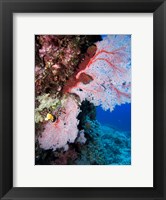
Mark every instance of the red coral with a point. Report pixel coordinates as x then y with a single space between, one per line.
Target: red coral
84 78
104 77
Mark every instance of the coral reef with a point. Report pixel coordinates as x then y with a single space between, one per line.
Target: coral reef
73 75
57 58
105 146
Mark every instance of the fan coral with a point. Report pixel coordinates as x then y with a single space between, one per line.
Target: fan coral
70 79
57 134
105 80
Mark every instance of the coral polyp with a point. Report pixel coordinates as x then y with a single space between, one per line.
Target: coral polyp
74 76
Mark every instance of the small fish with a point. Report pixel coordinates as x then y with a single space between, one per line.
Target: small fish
50 117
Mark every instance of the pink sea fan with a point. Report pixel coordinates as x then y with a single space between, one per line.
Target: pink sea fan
64 129
110 72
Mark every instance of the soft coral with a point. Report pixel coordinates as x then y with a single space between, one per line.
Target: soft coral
107 74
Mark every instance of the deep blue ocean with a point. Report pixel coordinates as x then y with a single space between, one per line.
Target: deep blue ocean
119 118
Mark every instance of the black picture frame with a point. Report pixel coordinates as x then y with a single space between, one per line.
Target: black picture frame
7 8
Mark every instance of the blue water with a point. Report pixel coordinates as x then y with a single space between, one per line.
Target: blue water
117 146
103 36
119 118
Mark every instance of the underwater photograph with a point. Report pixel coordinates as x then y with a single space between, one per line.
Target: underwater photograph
82 99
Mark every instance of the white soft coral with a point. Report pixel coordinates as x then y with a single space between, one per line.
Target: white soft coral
64 129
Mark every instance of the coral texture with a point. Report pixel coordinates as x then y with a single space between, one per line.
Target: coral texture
105 80
63 130
81 139
73 75
57 58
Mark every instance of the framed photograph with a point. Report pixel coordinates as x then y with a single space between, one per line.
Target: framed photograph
82 99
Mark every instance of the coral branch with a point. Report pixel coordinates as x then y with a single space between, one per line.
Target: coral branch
114 67
110 65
